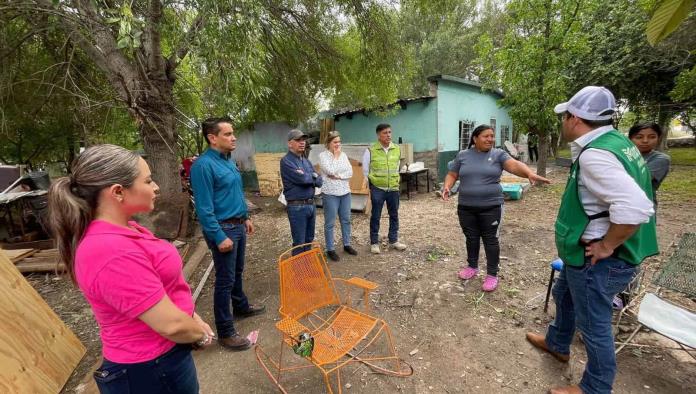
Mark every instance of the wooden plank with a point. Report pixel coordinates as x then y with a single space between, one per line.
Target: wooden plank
39 352
196 257
43 244
40 266
18 254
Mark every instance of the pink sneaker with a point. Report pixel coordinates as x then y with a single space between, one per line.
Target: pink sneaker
490 283
468 273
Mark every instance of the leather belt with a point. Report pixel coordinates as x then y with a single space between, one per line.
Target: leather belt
301 202
234 221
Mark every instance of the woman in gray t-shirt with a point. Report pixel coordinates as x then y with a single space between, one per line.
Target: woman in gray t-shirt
478 169
646 137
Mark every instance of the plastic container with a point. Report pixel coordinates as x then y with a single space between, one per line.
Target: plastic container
512 191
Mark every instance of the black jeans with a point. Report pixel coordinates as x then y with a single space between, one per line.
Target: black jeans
533 153
477 223
171 373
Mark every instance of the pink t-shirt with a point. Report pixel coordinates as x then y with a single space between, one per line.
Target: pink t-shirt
122 274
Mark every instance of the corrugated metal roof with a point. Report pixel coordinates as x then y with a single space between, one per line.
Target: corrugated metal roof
397 102
452 78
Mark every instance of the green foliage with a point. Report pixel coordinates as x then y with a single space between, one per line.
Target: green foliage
440 37
50 104
529 65
667 18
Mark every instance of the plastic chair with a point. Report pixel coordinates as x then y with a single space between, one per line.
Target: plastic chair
310 304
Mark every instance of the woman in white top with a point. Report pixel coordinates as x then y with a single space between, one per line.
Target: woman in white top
336 171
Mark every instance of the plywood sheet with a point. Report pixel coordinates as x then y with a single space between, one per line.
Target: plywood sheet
39 352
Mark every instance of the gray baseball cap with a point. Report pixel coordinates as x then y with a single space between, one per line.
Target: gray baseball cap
295 134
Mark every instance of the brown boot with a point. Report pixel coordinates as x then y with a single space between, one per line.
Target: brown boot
539 341
235 342
575 389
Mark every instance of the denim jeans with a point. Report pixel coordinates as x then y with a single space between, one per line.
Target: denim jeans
378 197
336 205
302 218
583 297
229 267
481 223
172 373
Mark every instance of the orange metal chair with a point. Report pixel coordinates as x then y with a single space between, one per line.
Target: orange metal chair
310 303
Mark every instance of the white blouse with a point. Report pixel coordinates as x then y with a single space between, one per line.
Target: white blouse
340 168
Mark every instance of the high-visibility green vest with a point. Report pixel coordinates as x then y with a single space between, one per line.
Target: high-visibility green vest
572 218
384 167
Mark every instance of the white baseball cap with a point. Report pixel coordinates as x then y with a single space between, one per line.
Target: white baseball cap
590 103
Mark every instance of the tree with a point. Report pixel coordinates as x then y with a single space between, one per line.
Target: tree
643 77
529 64
248 51
43 95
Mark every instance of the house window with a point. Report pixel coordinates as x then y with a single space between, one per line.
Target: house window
465 129
505 134
492 124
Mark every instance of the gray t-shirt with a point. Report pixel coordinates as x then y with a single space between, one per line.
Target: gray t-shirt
479 176
658 164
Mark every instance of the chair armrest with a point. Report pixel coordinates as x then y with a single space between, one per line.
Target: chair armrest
360 282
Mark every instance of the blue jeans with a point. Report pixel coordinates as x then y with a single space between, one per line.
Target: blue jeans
229 267
336 205
172 373
583 298
302 218
378 197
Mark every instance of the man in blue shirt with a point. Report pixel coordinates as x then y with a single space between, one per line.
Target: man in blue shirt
299 181
222 213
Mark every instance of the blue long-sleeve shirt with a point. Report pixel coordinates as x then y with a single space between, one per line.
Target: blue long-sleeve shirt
217 189
298 180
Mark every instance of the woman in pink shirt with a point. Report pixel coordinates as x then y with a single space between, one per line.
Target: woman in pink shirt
132 280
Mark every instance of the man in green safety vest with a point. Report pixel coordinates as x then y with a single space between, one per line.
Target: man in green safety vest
604 229
381 167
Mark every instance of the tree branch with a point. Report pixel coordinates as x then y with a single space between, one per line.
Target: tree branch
185 45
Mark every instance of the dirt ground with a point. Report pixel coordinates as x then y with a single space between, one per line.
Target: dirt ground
466 341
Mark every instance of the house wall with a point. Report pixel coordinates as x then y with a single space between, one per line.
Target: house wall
417 124
457 102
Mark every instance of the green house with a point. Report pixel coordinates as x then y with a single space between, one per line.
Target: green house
438 125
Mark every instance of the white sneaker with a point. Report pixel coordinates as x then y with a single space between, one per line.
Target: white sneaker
374 248
398 245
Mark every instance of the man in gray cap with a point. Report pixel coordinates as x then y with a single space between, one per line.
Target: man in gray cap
299 181
604 229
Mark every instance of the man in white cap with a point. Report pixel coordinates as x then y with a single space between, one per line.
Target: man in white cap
604 229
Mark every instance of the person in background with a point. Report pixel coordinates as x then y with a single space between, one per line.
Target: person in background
480 208
336 172
646 137
532 142
380 164
132 280
224 218
299 181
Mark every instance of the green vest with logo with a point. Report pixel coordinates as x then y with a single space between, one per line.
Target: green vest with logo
572 219
384 166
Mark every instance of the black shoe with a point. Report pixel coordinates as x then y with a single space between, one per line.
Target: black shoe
349 249
333 255
252 311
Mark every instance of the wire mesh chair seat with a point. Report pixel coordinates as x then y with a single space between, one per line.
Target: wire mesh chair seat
310 305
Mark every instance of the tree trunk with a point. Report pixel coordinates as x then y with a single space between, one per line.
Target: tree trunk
543 152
